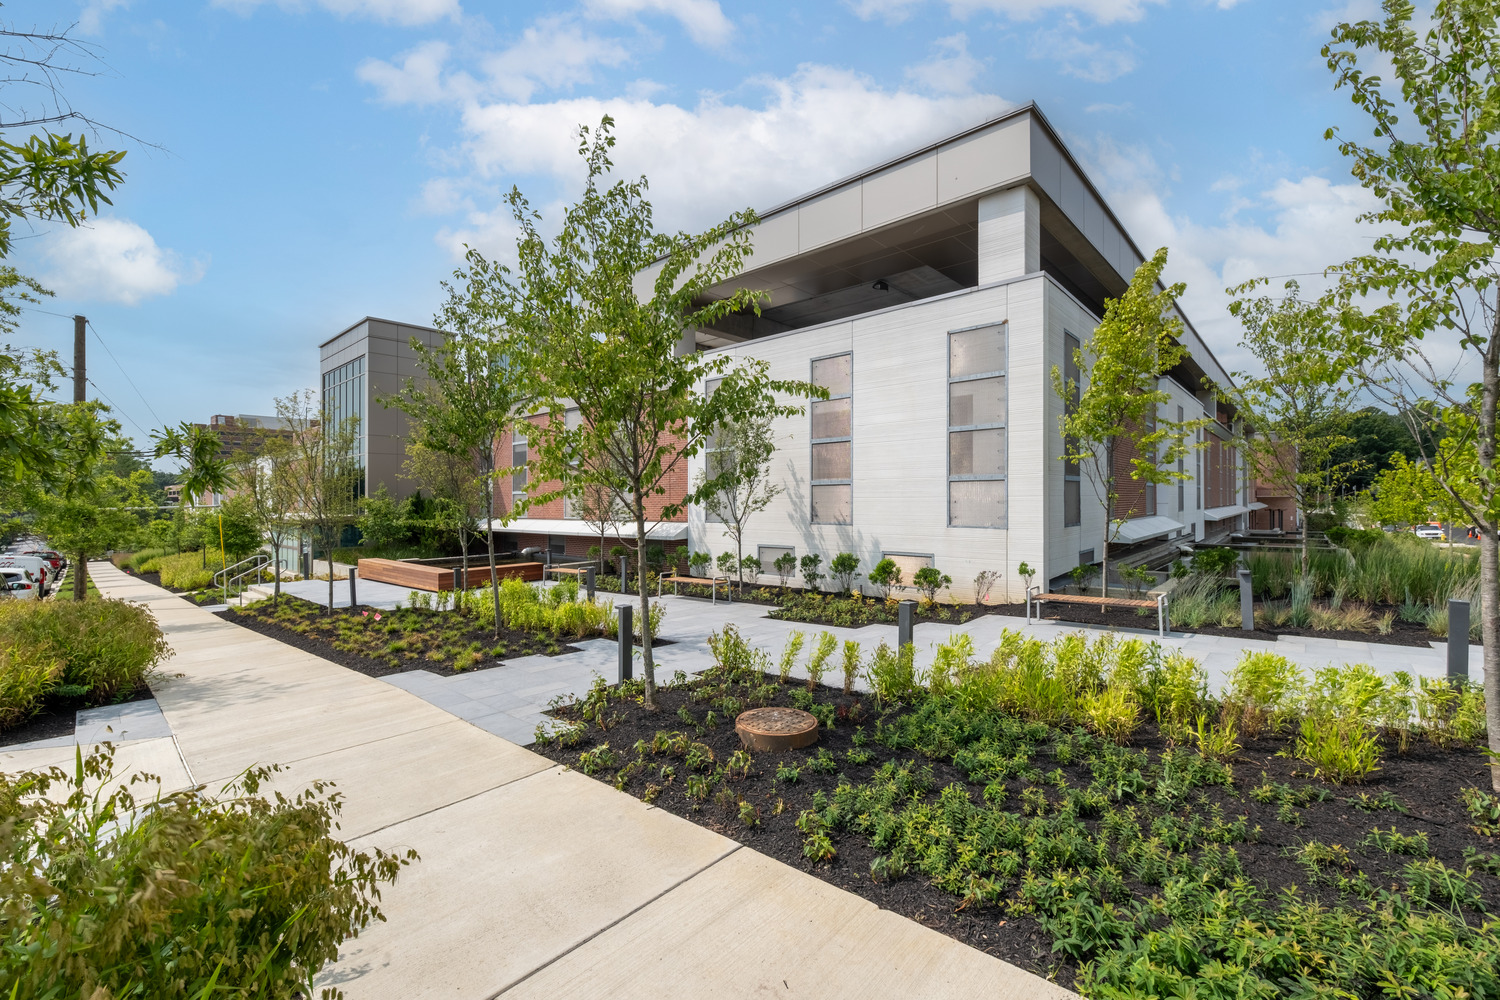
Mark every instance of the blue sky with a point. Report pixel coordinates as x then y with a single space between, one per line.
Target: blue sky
324 160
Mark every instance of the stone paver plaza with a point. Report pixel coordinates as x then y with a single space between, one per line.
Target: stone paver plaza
536 880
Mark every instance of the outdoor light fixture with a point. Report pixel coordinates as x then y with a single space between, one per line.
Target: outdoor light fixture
881 285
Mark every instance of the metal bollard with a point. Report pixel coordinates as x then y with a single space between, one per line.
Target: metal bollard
458 580
621 561
1458 640
353 596
627 644
1247 602
903 623
588 582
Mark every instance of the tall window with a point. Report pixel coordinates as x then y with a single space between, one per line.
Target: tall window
344 398
833 441
711 451
1198 472
1072 482
518 459
976 427
1181 486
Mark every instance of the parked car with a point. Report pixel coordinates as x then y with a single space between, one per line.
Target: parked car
1428 531
16 582
54 559
38 570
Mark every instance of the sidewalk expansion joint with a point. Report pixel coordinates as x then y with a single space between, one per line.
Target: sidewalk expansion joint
612 924
466 798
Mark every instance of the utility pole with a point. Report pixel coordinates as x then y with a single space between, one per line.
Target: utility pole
80 380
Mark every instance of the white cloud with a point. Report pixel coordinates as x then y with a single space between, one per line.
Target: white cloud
553 53
405 12
706 161
889 11
703 20
113 260
417 80
1092 61
1287 227
91 18
1102 108
1101 11
951 71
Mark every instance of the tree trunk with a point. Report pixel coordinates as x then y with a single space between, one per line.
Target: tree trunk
489 539
330 574
739 564
1302 518
1489 550
647 665
81 578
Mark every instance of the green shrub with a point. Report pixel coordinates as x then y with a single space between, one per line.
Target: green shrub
843 568
186 570
25 678
885 576
105 647
1215 561
928 580
893 674
197 894
1263 689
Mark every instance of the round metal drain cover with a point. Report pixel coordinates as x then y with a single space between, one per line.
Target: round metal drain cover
776 728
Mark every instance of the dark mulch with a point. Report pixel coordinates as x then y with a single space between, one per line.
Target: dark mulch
1402 633
320 639
59 717
1426 781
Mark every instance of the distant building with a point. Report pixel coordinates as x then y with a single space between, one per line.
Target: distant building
369 361
243 433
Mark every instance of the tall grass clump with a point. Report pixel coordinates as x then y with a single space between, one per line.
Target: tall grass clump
99 650
186 570
553 610
113 892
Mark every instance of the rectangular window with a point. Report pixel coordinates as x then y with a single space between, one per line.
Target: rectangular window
518 459
908 564
976 427
768 554
1072 483
1181 485
833 504
1086 557
344 400
833 442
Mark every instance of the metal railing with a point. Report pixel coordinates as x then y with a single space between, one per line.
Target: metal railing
253 564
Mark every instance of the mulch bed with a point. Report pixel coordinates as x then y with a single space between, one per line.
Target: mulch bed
1402 633
320 642
1426 781
59 717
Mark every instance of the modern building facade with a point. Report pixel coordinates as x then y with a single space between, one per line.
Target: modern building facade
370 361
932 297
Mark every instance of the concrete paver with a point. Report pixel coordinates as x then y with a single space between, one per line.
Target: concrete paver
752 927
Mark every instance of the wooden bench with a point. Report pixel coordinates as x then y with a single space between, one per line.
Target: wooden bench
1159 602
711 582
578 572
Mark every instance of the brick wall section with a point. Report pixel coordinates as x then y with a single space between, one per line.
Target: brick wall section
675 485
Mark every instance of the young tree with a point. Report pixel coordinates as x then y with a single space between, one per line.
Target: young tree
1121 367
324 466
205 472
474 389
739 460
1299 406
269 483
593 346
456 481
1432 164
83 511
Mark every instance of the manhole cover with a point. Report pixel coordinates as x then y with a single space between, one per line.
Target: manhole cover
776 728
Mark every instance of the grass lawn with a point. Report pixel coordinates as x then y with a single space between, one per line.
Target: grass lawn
1087 811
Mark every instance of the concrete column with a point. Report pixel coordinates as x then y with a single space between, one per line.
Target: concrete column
1010 234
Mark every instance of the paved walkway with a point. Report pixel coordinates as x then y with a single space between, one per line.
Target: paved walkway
535 881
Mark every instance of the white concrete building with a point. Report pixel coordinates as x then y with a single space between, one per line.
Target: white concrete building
932 296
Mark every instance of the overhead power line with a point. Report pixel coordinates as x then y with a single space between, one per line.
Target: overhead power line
112 357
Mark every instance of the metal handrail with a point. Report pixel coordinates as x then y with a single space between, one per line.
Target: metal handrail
260 559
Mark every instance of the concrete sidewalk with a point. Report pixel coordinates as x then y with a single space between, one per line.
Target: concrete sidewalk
534 880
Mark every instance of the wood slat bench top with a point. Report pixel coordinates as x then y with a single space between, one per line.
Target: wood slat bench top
1124 602
575 570
704 580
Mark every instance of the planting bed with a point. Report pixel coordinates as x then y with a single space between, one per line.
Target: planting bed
59 717
1132 871
1403 633
436 641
